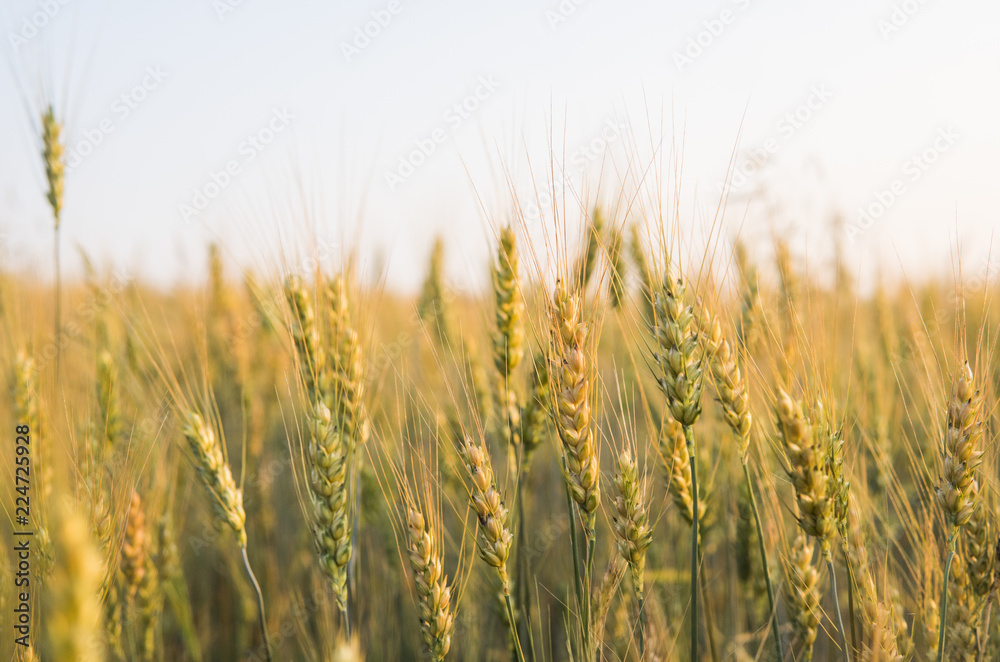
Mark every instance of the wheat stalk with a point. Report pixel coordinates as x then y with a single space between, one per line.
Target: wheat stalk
140 575
227 499
495 538
433 302
647 286
680 375
958 489
734 398
631 528
72 592
592 248
816 473
537 411
617 269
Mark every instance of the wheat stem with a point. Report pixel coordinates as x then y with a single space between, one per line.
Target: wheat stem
577 581
523 567
642 626
260 602
591 647
944 598
850 605
836 608
513 628
689 435
772 605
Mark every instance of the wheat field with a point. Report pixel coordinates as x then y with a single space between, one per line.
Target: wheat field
624 449
628 447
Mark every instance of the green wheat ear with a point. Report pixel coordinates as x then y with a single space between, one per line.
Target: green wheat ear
53 154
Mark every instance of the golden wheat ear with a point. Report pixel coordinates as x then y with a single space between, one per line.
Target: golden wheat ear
571 374
72 591
437 617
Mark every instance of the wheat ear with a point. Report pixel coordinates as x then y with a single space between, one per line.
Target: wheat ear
336 423
72 596
437 616
329 492
571 383
346 367
647 287
140 575
734 398
227 499
803 596
495 538
631 527
958 489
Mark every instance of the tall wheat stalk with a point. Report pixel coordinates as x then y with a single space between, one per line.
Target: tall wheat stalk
958 490
571 377
734 398
812 463
680 373
53 155
227 499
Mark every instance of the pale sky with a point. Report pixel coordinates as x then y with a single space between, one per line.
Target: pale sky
890 106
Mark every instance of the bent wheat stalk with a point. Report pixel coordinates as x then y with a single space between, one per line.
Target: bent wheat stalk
810 467
495 539
227 499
